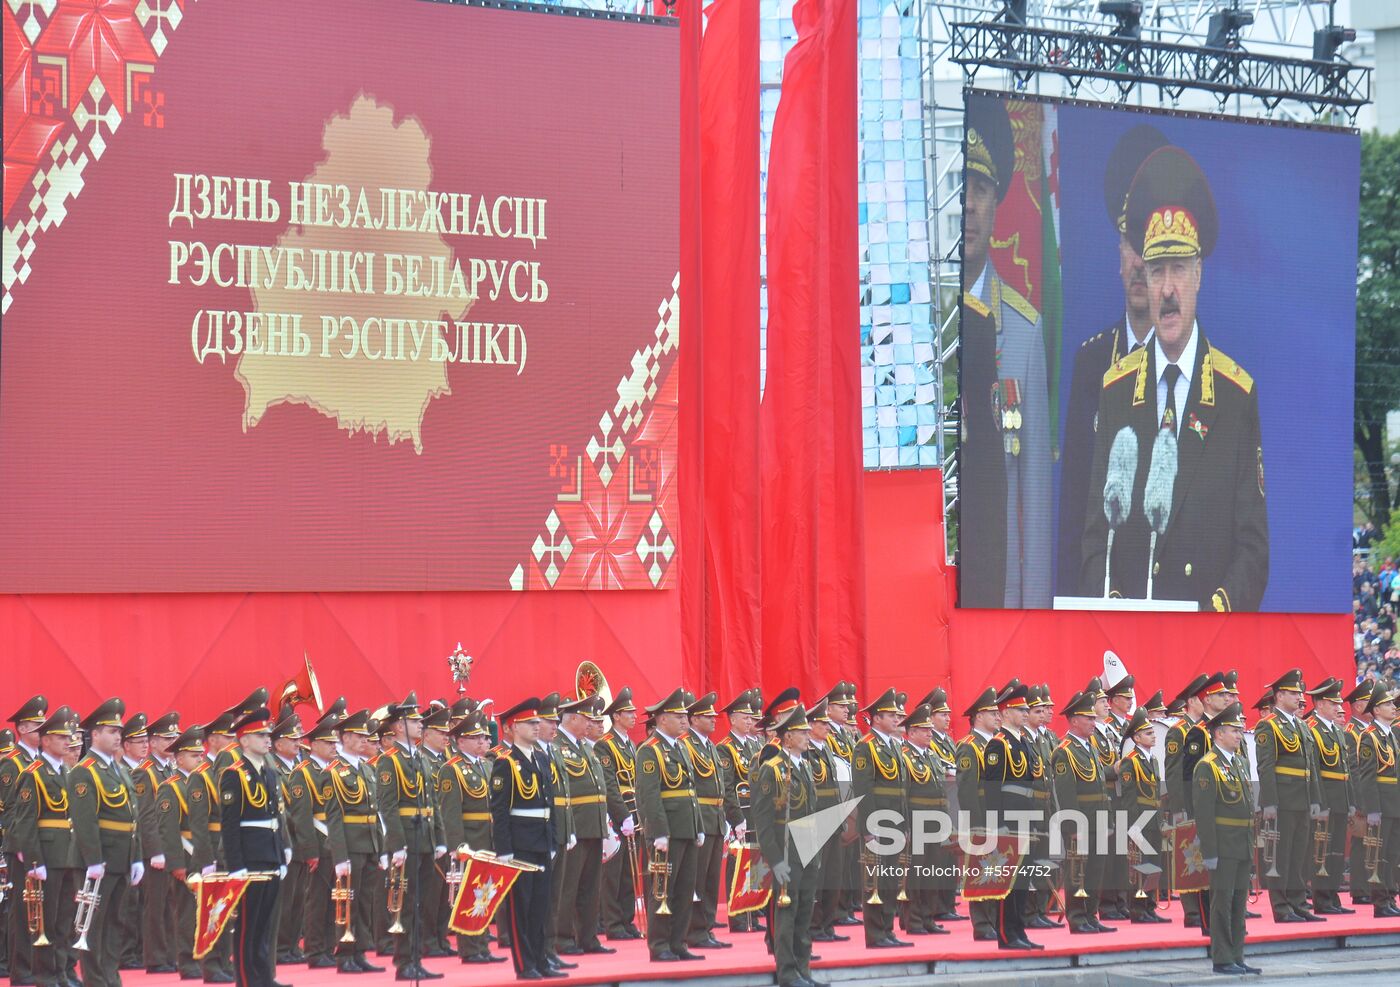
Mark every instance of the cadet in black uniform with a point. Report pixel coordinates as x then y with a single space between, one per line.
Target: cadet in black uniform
1010 770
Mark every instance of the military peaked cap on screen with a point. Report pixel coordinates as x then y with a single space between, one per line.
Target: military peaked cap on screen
1171 211
989 150
1124 161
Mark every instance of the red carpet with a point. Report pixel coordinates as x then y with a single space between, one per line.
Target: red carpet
748 955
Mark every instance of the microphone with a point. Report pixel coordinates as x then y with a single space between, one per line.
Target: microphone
1118 490
1157 494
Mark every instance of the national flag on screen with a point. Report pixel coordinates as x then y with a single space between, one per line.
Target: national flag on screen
751 884
989 876
1188 870
485 884
216 899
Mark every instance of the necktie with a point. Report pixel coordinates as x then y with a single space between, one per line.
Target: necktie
1171 375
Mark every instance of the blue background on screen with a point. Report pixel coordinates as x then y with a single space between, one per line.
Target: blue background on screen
1277 294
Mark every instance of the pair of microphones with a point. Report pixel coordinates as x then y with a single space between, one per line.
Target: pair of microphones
1156 494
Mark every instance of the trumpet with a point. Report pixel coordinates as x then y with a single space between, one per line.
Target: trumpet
1268 837
398 885
904 877
343 897
5 886
867 864
456 872
34 909
1372 844
1076 864
1321 846
1135 875
88 900
633 846
660 870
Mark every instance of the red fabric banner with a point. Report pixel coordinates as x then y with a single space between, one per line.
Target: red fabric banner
216 897
485 884
813 573
751 882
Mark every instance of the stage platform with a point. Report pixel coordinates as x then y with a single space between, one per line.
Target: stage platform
747 964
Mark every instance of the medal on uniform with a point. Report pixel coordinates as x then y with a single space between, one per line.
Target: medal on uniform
1011 414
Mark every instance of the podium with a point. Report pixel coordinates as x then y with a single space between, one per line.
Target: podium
1119 603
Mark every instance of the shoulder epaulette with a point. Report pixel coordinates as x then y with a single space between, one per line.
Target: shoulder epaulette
31 767
774 762
1230 370
1020 303
203 766
650 741
976 304
1093 339
1127 365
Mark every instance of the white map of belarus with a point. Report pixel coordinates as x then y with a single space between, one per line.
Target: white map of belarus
365 149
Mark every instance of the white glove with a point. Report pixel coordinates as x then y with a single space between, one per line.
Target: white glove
439 852
1373 819
282 872
207 869
342 869
741 831
724 833
1270 812
699 839
1178 818
1318 812
158 862
400 857
138 871
782 872
96 872
287 855
661 843
629 827
573 841
1212 863
40 873
241 872
506 856
383 861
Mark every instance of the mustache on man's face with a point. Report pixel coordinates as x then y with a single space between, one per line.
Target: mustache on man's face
1171 306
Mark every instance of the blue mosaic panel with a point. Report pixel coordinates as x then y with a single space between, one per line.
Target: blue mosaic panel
899 406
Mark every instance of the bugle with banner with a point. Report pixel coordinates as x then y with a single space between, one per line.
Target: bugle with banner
751 882
216 898
486 880
1188 865
989 876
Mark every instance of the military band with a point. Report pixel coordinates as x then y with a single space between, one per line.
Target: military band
321 814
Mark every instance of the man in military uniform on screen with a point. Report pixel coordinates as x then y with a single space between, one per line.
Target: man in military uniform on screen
1005 448
1099 352
1207 499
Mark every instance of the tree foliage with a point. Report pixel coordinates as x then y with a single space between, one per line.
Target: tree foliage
1378 312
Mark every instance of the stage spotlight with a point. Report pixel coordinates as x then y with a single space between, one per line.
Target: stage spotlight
1328 40
1225 27
1128 13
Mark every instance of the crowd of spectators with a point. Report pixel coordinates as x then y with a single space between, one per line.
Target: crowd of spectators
1375 591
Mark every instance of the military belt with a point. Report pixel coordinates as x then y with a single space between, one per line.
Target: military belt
413 810
530 813
1385 781
1021 790
706 800
679 793
1151 803
115 826
1335 775
319 815
215 827
259 823
1295 772
581 800
55 824
928 800
186 834
1223 821
822 791
361 820
1041 794
475 816
887 790
1093 798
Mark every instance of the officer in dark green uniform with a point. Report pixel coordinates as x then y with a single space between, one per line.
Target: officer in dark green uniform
1378 788
985 718
41 832
159 899
821 762
103 807
433 752
1358 701
1334 779
1224 807
617 754
26 748
581 879
1009 770
1043 741
183 805
927 794
354 787
1289 795
881 782
1138 790
1176 777
710 784
136 747
1079 785
465 804
736 752
945 751
318 836
784 791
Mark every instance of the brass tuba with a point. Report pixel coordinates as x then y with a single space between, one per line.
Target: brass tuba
301 687
589 680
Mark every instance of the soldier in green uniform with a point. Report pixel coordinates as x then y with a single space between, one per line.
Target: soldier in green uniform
563 811
671 823
290 908
183 805
1224 805
1079 785
465 804
985 719
1289 795
1041 708
1358 701
41 833
26 720
945 750
433 752
1334 780
103 808
158 895
1108 739
617 754
709 796
1138 791
1010 768
926 794
1378 797
784 791
413 834
845 874
1176 777
880 780
736 752
318 836
581 874
354 787
136 747
821 762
